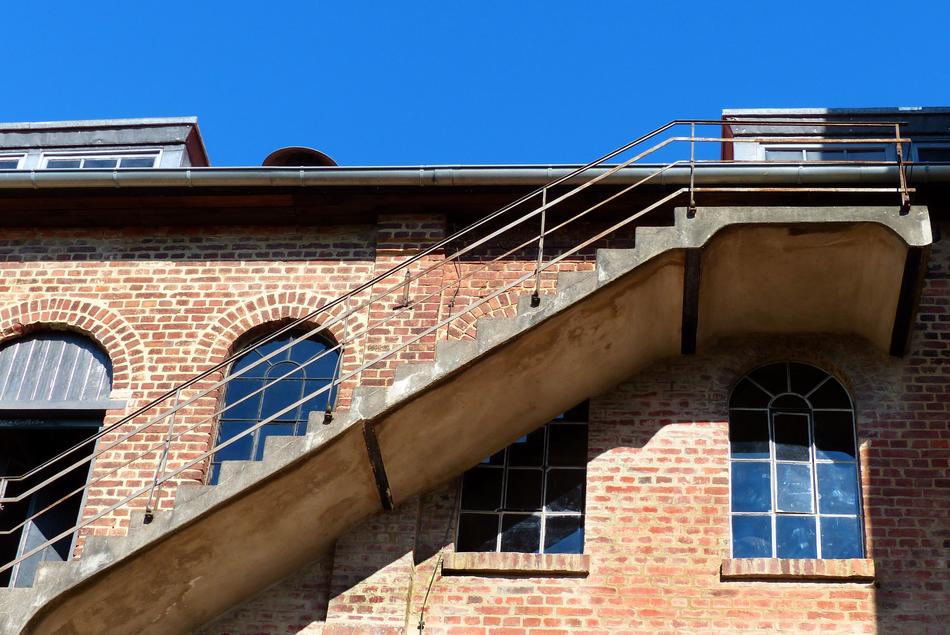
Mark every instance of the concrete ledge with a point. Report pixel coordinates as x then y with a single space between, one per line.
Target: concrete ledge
517 564
784 570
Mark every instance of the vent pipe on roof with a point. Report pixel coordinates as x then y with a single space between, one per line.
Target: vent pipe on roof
295 156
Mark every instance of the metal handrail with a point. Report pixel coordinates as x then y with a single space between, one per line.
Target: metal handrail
161 477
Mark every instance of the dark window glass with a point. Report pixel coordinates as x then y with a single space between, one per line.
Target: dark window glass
837 488
564 534
100 163
834 436
565 491
805 378
747 395
579 413
477 532
63 163
749 434
795 537
840 538
751 487
934 154
239 450
137 162
523 491
9 164
793 487
481 489
260 391
568 445
751 537
791 437
830 395
783 155
543 475
789 402
528 450
521 533
773 378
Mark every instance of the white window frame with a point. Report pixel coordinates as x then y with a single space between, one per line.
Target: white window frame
890 152
156 153
19 159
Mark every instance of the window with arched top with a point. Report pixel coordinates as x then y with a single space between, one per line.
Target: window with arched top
54 391
795 484
269 386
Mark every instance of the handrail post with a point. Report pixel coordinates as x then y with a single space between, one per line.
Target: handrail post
905 196
536 295
338 369
162 461
691 210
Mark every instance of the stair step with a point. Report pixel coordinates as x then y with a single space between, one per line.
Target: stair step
241 470
408 378
452 354
568 279
190 490
524 302
489 332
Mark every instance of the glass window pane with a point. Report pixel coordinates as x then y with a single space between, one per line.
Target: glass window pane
498 458
137 162
9 164
273 345
934 154
523 491
834 436
751 537
215 472
100 163
579 413
280 393
528 450
63 163
477 532
751 487
830 394
865 154
791 437
804 378
318 402
238 389
240 450
564 534
324 361
837 488
793 488
747 395
521 533
841 538
783 155
252 362
481 489
825 154
567 445
772 377
749 434
565 491
795 537
272 430
789 402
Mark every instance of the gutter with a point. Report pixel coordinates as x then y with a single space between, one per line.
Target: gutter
476 176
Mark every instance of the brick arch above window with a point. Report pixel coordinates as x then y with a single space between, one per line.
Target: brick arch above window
220 339
107 328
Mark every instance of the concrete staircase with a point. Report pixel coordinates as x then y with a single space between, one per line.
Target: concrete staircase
264 520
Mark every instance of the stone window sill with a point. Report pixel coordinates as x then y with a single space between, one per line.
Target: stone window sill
780 570
516 564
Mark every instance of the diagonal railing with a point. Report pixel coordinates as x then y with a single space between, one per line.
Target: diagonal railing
168 418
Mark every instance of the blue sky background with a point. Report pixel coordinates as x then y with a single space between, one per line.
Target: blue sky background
459 82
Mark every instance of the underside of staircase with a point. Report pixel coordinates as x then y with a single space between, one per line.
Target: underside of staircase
718 272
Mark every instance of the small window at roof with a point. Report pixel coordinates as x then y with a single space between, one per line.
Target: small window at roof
933 154
103 161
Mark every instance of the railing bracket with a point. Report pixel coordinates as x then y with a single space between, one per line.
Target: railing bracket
149 517
535 300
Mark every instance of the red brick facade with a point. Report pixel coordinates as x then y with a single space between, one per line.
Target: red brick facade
167 303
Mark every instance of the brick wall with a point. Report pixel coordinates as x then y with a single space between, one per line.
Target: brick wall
658 513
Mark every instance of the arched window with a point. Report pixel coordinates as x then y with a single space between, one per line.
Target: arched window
270 387
794 466
54 389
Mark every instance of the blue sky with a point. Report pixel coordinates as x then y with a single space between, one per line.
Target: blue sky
373 83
